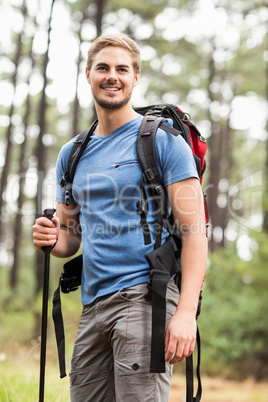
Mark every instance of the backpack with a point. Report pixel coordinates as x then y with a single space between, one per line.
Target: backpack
164 260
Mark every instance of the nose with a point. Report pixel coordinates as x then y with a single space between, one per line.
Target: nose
111 76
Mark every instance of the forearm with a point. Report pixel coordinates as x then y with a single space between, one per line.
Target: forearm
188 209
193 268
67 244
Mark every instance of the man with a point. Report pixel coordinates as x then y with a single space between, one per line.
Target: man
111 356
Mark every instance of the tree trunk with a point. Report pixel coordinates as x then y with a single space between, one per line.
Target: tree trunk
214 144
23 166
40 152
6 167
265 195
76 106
226 167
213 189
99 15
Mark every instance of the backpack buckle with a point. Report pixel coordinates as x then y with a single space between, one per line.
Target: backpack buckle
157 110
69 284
140 207
148 174
159 189
148 296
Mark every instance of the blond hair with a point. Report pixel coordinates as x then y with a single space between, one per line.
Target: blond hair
115 40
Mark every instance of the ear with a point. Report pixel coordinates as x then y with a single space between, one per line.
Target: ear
87 76
137 78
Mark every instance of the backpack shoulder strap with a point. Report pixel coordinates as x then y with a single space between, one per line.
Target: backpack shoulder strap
78 148
146 152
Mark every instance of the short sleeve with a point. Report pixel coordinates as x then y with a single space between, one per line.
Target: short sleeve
61 168
175 158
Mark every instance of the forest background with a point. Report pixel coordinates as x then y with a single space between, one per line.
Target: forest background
207 56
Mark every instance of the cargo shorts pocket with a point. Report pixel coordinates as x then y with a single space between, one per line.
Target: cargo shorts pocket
133 379
89 375
134 367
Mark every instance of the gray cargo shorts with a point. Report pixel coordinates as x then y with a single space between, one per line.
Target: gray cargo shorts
111 356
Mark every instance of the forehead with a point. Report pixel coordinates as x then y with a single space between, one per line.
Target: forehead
112 55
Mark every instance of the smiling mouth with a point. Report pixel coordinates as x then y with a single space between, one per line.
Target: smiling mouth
111 89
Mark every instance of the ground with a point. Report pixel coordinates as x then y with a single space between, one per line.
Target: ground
221 390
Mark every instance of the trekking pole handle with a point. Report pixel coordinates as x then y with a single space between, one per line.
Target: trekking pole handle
48 213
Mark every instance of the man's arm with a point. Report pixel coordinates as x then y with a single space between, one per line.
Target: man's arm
63 231
188 209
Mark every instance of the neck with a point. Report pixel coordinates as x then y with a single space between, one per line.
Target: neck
110 120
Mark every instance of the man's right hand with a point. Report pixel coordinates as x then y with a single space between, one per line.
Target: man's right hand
46 232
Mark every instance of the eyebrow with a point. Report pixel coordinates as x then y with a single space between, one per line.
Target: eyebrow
107 65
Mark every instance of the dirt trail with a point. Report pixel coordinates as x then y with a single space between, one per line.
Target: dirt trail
220 390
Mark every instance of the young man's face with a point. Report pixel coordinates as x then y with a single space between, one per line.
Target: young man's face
112 77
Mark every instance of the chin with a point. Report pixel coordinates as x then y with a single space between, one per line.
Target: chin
112 105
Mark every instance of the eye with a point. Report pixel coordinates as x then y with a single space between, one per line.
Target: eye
101 68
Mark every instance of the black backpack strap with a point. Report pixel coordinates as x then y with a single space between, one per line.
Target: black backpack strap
78 148
69 281
169 111
164 263
190 374
146 152
142 210
59 330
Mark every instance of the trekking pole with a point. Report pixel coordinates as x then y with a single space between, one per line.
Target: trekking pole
48 213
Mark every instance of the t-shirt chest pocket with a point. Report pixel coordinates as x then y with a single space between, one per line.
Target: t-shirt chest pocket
127 174
125 163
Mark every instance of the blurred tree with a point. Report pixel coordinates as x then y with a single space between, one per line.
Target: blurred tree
84 13
76 107
14 77
230 76
22 165
40 151
100 4
265 190
220 156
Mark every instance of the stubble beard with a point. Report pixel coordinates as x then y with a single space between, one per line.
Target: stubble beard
112 104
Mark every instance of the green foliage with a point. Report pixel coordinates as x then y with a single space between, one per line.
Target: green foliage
234 322
21 382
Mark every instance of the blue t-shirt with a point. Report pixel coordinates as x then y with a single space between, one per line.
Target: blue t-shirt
106 188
